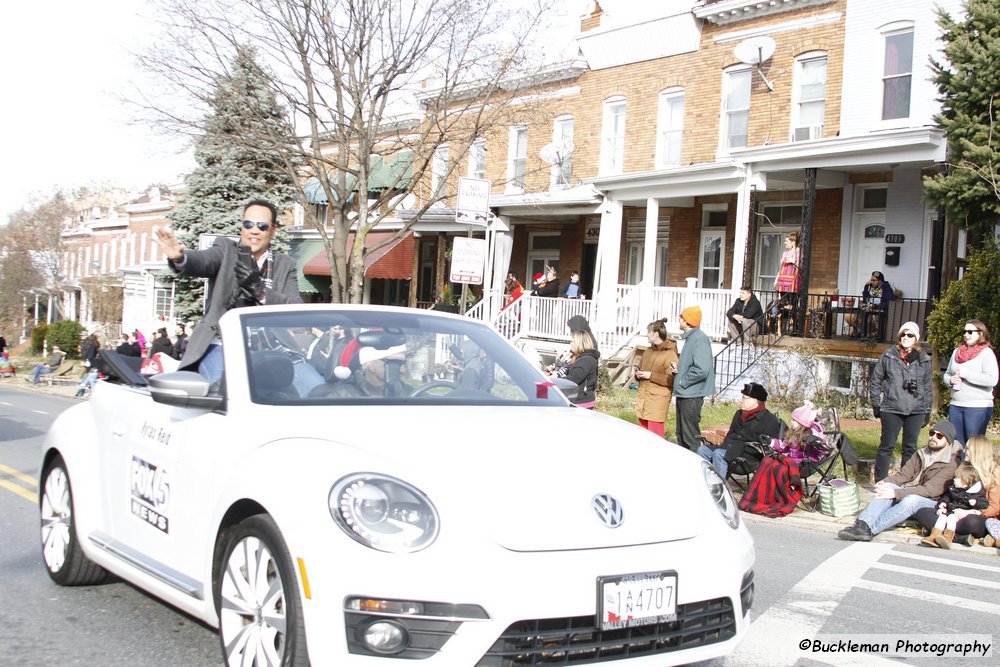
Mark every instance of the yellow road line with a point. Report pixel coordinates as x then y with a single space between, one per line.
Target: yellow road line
30 496
27 479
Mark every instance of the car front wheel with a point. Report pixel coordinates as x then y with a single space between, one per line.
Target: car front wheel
256 596
65 561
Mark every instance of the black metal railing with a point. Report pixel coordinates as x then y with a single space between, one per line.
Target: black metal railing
844 316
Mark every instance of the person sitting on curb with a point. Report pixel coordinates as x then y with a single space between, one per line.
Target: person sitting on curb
981 454
966 493
918 484
750 422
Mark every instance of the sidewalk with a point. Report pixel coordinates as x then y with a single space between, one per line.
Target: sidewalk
64 389
819 522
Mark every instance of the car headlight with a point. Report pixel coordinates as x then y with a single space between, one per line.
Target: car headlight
722 496
383 513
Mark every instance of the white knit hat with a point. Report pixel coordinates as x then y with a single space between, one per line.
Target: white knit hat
912 327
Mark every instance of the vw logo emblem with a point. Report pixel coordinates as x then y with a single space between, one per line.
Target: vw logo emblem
608 509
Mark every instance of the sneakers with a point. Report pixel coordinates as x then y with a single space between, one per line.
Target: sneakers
859 532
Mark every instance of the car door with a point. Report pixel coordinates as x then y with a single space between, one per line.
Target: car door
159 490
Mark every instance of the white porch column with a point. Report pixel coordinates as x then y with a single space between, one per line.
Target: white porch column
741 231
649 261
608 255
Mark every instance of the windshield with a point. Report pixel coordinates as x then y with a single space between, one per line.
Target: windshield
362 355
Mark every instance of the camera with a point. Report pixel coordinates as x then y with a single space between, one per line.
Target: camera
910 386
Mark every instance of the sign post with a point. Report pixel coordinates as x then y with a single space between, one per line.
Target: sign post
472 208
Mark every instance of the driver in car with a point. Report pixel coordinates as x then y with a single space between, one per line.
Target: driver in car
378 376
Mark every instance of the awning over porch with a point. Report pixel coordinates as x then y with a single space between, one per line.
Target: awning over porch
392 171
393 261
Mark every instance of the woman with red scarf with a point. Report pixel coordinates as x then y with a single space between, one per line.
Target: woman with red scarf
972 375
901 395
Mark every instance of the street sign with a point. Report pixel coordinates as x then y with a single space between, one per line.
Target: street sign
473 206
468 259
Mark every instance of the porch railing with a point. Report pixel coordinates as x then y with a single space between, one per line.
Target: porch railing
843 316
670 301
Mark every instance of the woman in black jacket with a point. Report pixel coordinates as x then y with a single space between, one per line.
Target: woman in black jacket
582 368
162 343
901 395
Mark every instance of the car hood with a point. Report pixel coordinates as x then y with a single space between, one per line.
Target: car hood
526 478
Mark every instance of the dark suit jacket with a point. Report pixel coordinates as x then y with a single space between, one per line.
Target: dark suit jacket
218 264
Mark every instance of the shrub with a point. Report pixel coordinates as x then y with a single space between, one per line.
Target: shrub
65 334
38 338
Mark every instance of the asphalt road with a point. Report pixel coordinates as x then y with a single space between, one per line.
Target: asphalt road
809 586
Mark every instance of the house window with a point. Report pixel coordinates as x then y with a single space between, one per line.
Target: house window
872 198
613 136
320 211
670 128
897 72
711 259
163 303
439 172
840 374
543 250
517 158
562 153
477 159
809 108
736 108
635 239
775 222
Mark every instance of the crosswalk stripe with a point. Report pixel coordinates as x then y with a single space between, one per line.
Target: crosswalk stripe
963 603
947 562
943 576
802 611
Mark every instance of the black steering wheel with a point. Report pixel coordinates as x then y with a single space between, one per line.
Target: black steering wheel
435 384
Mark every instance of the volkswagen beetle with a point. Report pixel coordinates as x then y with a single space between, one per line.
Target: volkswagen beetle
368 485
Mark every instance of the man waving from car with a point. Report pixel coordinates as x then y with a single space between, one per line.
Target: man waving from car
244 274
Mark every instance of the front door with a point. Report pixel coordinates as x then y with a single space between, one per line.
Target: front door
869 250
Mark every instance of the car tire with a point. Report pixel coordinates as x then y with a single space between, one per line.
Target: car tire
64 559
260 618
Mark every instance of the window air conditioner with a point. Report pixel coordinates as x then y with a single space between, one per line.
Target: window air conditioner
807 132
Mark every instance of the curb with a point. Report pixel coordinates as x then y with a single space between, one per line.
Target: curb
822 523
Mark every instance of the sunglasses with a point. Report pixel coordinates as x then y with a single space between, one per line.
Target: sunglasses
262 226
938 435
969 332
907 335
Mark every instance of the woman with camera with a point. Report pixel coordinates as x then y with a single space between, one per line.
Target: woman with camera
901 395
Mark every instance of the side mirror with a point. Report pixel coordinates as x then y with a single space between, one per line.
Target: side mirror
184 389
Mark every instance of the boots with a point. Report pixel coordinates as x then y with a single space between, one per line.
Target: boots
80 392
931 540
944 539
988 541
859 532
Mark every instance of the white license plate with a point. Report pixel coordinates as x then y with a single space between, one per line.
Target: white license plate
629 600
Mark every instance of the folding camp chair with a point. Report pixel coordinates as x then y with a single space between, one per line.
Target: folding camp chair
749 460
839 448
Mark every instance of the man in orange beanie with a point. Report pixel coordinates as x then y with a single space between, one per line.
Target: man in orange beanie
695 377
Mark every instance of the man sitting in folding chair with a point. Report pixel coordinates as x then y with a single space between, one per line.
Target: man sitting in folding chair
738 452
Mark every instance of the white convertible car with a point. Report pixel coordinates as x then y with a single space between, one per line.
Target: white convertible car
414 489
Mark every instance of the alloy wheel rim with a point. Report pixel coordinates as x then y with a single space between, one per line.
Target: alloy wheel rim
56 517
252 619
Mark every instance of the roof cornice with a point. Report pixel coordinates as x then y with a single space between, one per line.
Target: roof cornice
729 11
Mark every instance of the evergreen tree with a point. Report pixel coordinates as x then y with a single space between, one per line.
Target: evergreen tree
969 86
233 167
